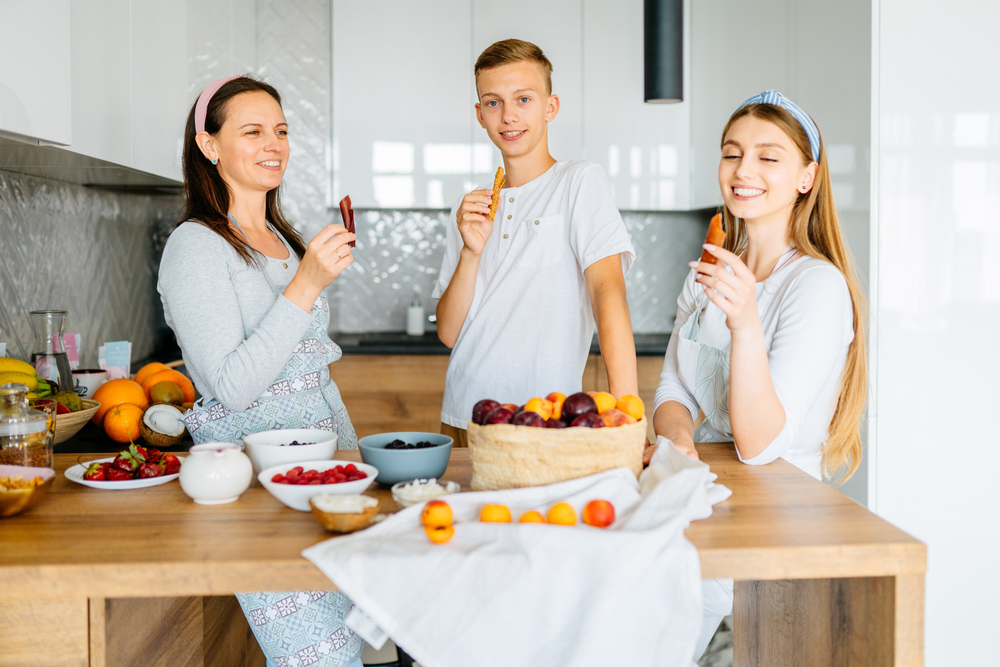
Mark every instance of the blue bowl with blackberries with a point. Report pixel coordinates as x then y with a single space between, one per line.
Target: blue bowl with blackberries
406 455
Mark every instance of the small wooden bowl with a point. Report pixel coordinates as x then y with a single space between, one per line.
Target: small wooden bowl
68 425
16 501
343 523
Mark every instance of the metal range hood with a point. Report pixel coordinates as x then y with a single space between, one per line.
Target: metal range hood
663 52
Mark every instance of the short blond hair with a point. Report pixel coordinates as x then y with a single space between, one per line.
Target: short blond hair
510 51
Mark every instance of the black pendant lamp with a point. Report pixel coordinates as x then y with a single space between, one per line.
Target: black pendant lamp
663 27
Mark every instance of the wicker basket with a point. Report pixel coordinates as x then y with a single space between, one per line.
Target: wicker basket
68 425
512 457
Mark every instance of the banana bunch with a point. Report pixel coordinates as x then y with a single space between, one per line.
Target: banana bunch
15 370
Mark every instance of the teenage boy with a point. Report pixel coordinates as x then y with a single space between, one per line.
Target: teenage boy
519 296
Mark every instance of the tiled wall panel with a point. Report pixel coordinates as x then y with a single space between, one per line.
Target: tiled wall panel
86 251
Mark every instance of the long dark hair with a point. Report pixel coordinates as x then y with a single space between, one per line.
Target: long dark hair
206 195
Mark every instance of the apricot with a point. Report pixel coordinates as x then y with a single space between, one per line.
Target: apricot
436 514
632 406
557 401
615 417
540 406
495 514
510 406
599 513
532 516
604 400
439 535
562 514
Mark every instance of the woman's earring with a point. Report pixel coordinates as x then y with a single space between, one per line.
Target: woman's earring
215 162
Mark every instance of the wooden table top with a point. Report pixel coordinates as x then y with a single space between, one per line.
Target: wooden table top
83 542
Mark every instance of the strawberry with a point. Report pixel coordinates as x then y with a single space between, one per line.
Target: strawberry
118 475
130 459
150 470
152 454
171 464
96 472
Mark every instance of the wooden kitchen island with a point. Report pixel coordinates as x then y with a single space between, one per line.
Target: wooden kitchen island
146 577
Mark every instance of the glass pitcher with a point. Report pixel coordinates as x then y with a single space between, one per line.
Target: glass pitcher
25 436
49 357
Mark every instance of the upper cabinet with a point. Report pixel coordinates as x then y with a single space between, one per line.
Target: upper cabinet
402 104
35 75
130 82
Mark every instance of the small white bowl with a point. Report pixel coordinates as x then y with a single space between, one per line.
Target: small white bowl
297 496
405 501
270 448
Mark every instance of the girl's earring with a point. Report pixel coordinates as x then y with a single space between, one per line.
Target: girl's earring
217 162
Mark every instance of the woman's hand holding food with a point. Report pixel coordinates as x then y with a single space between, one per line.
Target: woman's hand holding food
327 255
735 293
474 223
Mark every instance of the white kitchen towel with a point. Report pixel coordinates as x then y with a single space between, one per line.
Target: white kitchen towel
535 594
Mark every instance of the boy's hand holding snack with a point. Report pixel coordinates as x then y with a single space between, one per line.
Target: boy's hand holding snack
474 221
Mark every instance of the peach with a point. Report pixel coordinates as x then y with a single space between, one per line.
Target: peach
495 514
510 406
615 417
436 514
632 406
540 406
439 535
604 400
557 401
599 513
562 514
532 516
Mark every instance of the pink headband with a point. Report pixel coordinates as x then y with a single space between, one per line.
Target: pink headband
201 108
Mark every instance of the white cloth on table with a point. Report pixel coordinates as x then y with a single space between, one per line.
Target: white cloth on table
532 594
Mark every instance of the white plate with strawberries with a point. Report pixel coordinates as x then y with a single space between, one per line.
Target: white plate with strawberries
134 468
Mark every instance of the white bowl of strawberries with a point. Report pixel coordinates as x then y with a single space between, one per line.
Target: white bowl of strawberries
295 483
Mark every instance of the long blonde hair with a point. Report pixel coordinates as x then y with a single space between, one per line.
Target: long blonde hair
814 230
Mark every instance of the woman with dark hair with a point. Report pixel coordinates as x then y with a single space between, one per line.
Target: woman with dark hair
244 297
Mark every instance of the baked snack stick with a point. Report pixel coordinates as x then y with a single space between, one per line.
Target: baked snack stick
716 236
497 184
347 213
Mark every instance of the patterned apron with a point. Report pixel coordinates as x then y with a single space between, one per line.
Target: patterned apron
293 628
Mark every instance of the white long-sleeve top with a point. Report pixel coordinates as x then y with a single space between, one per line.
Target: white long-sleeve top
807 317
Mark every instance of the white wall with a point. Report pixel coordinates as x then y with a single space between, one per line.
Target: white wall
935 269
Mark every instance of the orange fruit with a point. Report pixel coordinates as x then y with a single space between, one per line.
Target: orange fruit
495 514
604 400
436 514
540 406
532 516
122 422
149 369
632 406
557 401
439 535
170 375
599 513
562 514
116 392
615 417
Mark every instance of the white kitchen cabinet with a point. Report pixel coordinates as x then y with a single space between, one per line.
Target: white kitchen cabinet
403 99
35 75
159 85
555 26
102 106
645 149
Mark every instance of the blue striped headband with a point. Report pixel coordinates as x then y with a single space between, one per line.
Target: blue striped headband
779 100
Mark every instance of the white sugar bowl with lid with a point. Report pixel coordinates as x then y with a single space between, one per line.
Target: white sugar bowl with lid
215 473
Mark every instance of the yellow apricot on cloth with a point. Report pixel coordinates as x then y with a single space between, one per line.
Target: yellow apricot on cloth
562 514
436 514
439 535
495 514
532 516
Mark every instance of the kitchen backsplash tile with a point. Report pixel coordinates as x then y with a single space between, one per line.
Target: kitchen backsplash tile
399 254
90 252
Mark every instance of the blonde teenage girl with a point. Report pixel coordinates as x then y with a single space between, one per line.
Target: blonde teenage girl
769 342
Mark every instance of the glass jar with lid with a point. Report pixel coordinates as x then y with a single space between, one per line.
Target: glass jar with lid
25 437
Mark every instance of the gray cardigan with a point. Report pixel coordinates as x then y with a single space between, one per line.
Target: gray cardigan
235 336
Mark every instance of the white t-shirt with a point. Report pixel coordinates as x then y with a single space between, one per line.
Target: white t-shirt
530 325
806 314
